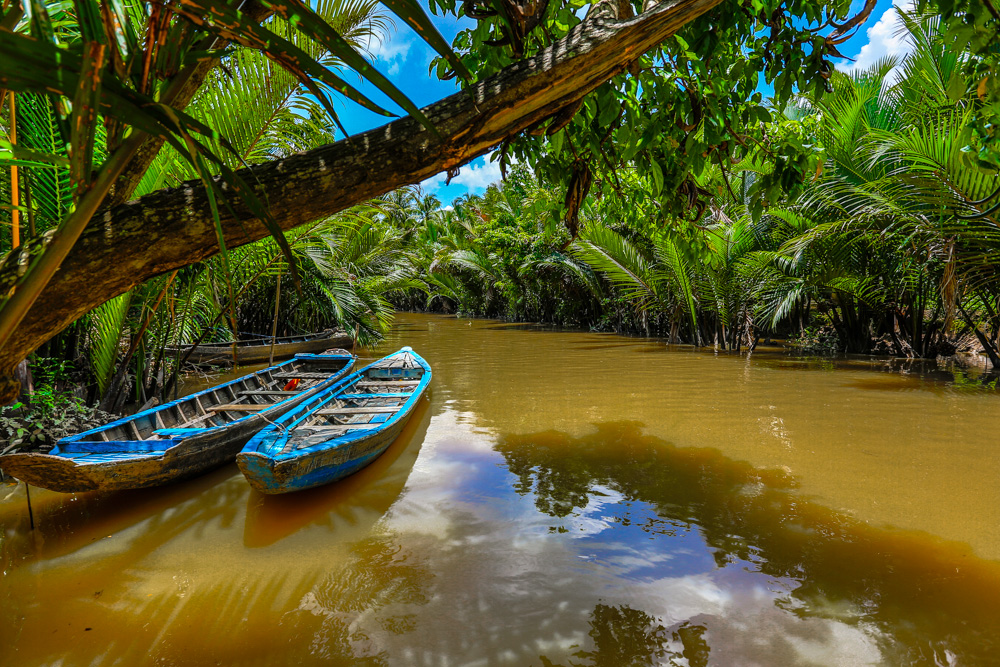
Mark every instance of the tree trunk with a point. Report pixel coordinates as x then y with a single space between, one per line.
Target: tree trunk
127 244
24 380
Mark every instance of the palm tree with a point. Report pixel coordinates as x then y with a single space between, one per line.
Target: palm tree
126 72
897 176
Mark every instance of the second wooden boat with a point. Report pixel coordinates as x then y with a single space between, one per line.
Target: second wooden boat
182 438
339 430
258 350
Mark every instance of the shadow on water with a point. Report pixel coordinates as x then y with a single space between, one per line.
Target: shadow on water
67 522
621 635
928 601
888 373
375 487
610 346
227 624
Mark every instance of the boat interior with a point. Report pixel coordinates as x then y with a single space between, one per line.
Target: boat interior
156 429
364 403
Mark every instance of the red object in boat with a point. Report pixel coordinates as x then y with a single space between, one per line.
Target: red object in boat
292 384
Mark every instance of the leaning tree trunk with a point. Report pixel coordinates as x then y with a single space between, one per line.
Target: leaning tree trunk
129 243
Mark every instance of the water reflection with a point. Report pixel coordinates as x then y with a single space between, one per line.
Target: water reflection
728 529
372 596
372 489
890 373
65 523
165 577
923 599
625 637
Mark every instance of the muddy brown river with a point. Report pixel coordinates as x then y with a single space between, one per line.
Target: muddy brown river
558 498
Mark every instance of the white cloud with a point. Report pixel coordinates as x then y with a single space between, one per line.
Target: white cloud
471 176
389 51
885 38
478 176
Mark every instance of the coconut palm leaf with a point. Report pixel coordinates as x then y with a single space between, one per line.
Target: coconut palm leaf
107 326
628 269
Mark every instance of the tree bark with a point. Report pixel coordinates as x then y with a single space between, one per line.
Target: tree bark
129 243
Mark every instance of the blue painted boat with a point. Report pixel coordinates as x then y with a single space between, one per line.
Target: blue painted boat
339 430
182 438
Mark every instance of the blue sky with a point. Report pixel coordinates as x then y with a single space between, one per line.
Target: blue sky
405 58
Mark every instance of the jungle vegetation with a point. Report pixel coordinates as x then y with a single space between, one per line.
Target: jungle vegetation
889 246
668 197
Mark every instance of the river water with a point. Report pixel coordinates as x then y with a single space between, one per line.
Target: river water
559 498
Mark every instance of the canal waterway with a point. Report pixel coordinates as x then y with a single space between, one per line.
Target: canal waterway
558 498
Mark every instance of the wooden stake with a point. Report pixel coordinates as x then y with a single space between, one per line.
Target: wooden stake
31 515
274 325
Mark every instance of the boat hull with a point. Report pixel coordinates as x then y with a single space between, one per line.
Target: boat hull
317 468
182 461
260 353
340 430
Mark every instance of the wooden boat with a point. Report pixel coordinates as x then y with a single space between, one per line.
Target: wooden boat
258 350
339 430
182 438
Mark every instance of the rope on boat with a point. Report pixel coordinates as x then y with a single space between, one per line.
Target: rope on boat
279 427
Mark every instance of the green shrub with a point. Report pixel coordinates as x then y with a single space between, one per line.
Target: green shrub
48 418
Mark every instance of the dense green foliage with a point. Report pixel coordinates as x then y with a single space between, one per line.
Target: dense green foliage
695 102
876 252
52 411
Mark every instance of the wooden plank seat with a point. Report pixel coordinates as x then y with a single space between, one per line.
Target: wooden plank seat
375 395
338 427
358 411
389 383
301 376
240 407
375 418
266 392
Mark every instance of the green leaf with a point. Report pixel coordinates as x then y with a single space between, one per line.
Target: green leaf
657 174
556 141
20 156
609 112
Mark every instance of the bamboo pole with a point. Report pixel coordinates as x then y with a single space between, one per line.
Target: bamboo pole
15 195
274 324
